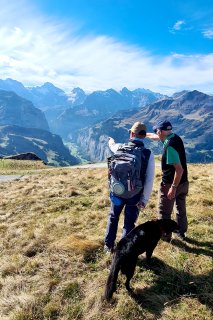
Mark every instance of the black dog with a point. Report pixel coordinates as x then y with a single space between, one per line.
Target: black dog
143 238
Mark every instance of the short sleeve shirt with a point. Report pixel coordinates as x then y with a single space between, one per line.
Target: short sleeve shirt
172 156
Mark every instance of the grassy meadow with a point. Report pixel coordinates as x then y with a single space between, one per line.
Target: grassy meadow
52 265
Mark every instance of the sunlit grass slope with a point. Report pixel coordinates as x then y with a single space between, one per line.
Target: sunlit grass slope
52 264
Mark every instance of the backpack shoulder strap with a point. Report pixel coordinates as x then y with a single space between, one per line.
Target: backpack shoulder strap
123 146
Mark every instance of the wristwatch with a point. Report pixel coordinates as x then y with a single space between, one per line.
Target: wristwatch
174 186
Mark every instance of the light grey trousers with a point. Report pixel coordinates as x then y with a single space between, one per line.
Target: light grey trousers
165 206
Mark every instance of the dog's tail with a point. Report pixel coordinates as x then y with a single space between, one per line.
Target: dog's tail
112 278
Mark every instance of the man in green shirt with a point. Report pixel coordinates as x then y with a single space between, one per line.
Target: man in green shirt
174 185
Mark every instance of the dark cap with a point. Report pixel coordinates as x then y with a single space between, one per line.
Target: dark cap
163 125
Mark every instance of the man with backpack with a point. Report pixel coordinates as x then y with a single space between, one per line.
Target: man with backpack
174 185
131 176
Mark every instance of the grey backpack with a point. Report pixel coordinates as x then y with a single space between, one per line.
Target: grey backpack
127 170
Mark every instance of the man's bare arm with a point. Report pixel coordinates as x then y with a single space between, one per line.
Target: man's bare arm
152 136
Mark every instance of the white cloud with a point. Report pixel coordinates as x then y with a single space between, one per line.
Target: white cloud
35 49
178 25
208 33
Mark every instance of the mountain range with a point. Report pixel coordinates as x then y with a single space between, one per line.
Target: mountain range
67 113
191 114
100 105
87 119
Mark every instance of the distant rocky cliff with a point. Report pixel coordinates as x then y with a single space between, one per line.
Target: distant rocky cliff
93 142
93 148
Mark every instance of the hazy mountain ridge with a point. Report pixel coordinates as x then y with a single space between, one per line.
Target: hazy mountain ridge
15 110
43 97
68 112
15 86
48 95
100 105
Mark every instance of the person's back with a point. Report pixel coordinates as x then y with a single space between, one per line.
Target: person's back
133 194
174 185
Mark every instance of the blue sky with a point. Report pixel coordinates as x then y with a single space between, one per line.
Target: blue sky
165 46
161 27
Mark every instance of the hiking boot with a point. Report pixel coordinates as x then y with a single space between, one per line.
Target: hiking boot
108 249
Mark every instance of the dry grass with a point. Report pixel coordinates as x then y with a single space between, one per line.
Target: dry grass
9 166
52 226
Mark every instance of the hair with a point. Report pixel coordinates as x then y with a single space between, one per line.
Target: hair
142 133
